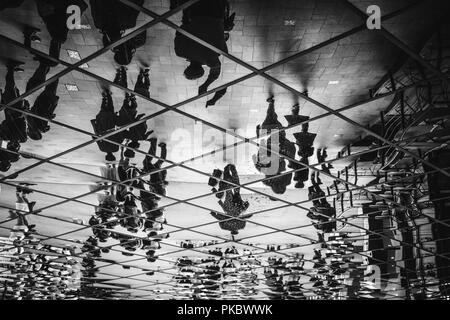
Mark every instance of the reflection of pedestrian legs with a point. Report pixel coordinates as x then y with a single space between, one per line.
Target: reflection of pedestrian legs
11 92
30 34
295 118
152 149
39 76
121 77
143 83
55 48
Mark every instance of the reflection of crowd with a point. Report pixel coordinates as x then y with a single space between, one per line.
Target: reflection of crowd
223 273
270 161
32 270
131 207
17 127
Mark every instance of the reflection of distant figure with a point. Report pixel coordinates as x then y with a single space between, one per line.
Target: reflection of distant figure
23 228
232 205
127 115
209 21
106 121
113 18
300 176
267 161
22 202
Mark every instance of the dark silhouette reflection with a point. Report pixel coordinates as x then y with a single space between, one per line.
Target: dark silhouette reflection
272 165
225 272
113 18
44 106
11 4
104 122
17 127
14 128
230 200
31 270
55 16
210 21
322 210
127 115
267 162
107 120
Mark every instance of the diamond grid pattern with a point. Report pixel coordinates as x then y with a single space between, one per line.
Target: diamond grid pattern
350 189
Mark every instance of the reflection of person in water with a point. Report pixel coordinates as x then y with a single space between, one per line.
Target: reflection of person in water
23 229
157 180
5 4
232 205
106 121
142 85
267 161
13 128
9 155
209 21
113 18
322 210
22 202
322 157
55 15
44 106
300 176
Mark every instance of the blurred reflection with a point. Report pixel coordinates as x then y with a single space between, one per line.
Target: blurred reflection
44 106
230 200
322 210
224 274
272 165
32 270
55 16
11 4
104 122
113 19
210 21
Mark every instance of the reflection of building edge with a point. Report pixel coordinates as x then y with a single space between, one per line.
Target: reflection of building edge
439 189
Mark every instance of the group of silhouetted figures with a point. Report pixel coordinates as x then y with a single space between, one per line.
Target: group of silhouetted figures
210 21
29 268
18 126
131 198
133 203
